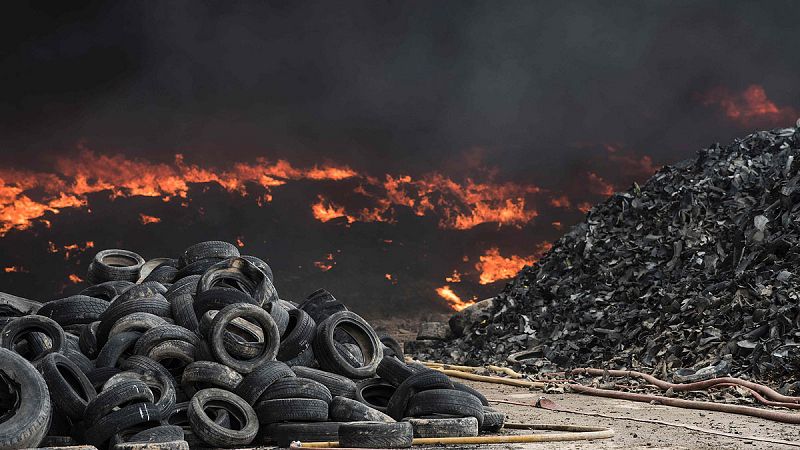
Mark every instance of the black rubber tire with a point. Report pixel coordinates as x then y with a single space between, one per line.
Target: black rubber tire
207 249
185 285
159 434
348 410
244 275
463 387
157 377
138 321
161 333
106 291
147 289
115 347
100 375
375 393
214 434
85 364
87 341
279 314
306 358
153 305
392 344
182 307
337 384
115 265
376 435
74 310
197 267
291 410
259 380
300 332
174 355
329 357
393 371
201 375
164 274
122 419
261 265
68 385
178 416
254 314
124 392
443 427
321 304
152 264
284 433
217 298
296 387
30 421
418 382
493 421
20 326
445 401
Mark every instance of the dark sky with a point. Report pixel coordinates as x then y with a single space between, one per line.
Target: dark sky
534 88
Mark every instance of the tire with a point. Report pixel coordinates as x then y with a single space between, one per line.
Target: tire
163 274
159 434
285 433
29 324
158 306
376 435
392 344
100 375
296 387
246 311
139 321
174 355
152 264
321 304
182 307
124 392
418 382
30 421
291 410
214 434
261 265
196 268
116 346
374 393
178 416
445 401
444 427
217 298
279 314
106 291
337 384
185 285
69 387
259 380
122 419
87 341
300 332
147 289
208 249
306 359
393 371
162 333
84 364
115 265
463 387
493 421
201 375
157 377
329 357
244 275
169 445
348 410
74 310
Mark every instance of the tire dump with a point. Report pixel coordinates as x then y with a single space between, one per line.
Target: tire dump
690 277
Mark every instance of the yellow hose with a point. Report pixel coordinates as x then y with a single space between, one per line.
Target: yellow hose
490 379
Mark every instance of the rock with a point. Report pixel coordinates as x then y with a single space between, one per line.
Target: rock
433 331
468 317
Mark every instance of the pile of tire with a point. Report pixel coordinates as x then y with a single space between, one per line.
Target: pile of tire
200 352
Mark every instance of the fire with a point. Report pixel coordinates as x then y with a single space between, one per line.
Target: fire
584 207
69 185
561 201
145 219
557 225
454 278
598 185
325 210
494 267
239 241
327 264
750 107
71 249
389 277
74 278
14 269
452 299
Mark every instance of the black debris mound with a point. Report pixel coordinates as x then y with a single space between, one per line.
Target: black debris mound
697 270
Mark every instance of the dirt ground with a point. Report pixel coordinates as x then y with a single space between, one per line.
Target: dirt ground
630 434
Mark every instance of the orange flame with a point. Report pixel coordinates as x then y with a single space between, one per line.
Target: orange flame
584 207
454 278
452 299
390 278
71 249
598 185
239 241
325 210
750 107
145 219
494 267
74 278
14 269
327 264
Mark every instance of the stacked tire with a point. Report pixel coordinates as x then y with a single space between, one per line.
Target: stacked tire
200 351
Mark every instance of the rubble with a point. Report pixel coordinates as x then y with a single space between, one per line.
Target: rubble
696 271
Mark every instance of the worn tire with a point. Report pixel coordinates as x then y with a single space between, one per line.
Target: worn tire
337 384
201 375
321 304
348 410
211 432
284 433
279 314
246 311
182 307
122 419
244 275
124 392
185 285
443 427
217 298
147 289
28 425
296 387
332 360
115 347
259 380
157 306
291 410
418 382
445 401
376 435
29 324
159 434
391 343
115 265
207 249
87 341
493 421
374 393
71 393
74 310
463 387
106 291
161 333
300 332
393 370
